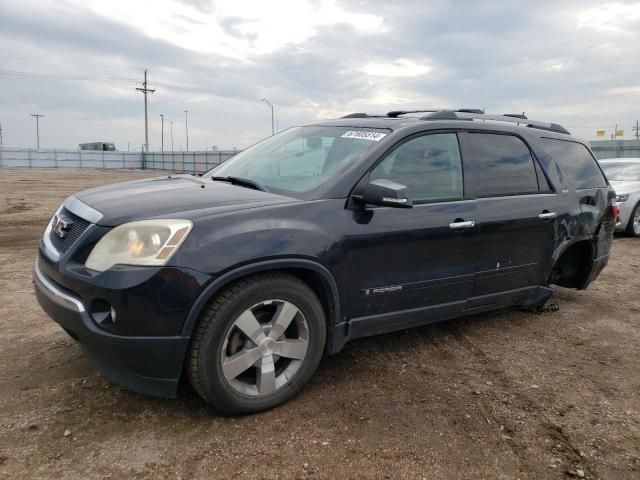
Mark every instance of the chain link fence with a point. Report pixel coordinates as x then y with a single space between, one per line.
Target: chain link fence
183 162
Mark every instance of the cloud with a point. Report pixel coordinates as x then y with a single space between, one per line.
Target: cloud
571 62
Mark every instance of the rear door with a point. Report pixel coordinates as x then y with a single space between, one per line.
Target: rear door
517 214
588 195
411 265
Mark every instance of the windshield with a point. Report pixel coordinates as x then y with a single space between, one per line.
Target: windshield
622 172
300 159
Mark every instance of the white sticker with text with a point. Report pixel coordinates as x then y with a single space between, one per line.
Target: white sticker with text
364 135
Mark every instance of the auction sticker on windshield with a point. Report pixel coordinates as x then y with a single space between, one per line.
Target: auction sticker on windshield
364 135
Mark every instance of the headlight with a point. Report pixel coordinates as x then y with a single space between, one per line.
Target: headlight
147 242
622 198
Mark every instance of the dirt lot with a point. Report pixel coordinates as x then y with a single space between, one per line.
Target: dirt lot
500 395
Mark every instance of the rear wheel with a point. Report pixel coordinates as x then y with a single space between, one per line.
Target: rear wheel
257 344
633 227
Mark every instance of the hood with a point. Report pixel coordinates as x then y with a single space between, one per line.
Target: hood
625 187
181 196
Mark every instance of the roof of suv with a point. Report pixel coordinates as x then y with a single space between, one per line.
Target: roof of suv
397 120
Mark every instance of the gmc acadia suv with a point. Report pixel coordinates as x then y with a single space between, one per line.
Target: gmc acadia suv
240 280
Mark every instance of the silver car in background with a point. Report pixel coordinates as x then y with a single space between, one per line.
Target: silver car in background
624 176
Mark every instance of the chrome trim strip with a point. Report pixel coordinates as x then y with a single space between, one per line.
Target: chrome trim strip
49 249
82 210
55 294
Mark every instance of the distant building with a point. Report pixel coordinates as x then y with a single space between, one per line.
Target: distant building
616 148
101 146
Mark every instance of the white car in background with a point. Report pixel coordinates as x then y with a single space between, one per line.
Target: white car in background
624 176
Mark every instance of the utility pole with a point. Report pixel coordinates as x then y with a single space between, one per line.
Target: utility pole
145 90
273 125
37 117
635 129
171 123
186 127
0 133
162 133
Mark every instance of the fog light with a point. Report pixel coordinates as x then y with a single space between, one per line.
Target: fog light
103 313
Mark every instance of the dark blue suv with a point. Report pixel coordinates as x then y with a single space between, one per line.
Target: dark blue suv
240 280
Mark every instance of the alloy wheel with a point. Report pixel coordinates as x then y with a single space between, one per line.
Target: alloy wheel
264 348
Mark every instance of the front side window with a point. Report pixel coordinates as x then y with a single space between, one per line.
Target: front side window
300 159
504 165
576 163
429 165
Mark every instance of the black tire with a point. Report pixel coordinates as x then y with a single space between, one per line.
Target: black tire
204 363
630 230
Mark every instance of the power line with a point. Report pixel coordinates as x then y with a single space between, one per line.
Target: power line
145 91
88 78
64 76
56 61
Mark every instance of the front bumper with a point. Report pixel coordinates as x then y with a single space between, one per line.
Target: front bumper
148 365
625 214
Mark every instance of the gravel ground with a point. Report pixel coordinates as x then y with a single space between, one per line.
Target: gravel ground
502 395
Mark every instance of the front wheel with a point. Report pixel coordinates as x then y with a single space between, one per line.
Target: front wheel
257 344
633 227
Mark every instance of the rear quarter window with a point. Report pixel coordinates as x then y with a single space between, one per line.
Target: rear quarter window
579 168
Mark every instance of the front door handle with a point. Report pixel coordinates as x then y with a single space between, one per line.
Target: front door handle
547 215
460 225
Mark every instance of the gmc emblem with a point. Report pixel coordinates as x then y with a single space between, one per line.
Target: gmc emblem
60 225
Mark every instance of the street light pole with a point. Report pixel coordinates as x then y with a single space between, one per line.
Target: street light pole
186 127
162 133
37 117
171 124
273 125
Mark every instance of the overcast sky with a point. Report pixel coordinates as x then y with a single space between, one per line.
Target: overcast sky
78 63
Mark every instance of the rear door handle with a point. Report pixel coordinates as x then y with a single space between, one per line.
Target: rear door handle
547 215
460 225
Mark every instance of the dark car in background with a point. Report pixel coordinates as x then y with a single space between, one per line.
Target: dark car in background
240 280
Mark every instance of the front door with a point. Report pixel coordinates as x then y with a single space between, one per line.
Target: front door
410 266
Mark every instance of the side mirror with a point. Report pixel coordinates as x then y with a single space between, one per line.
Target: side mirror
387 193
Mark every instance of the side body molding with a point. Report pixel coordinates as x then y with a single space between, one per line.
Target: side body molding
336 326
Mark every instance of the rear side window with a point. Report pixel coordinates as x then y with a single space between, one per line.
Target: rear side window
505 165
576 163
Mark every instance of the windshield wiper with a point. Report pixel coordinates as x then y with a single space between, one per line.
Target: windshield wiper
242 182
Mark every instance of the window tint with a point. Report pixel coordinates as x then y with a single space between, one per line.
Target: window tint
578 167
505 166
429 165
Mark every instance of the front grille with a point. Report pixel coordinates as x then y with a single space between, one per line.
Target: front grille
72 234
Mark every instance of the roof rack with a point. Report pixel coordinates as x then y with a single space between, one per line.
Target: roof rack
357 115
397 113
510 118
